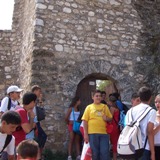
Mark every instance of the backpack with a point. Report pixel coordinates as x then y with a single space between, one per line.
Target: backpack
123 110
7 141
40 111
9 103
130 140
121 122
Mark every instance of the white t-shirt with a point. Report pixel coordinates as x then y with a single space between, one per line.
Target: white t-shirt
31 135
150 117
76 115
157 136
4 104
11 146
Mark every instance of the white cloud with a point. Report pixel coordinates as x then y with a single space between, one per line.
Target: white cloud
6 13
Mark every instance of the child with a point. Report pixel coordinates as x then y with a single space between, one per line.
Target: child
103 97
135 100
147 124
116 131
9 122
94 118
41 136
27 149
13 93
27 117
73 113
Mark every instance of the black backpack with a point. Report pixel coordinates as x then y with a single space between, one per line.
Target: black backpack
125 108
9 103
40 113
7 141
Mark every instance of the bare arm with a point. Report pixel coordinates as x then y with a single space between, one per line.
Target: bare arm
150 134
86 137
67 115
27 127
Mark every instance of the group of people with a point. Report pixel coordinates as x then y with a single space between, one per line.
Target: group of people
19 126
101 112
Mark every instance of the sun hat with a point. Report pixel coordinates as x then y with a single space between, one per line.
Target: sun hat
14 89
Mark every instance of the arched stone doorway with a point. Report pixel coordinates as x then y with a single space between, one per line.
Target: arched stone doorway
88 85
100 70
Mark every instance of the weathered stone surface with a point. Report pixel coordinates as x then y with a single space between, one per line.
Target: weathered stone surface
39 22
57 43
59 47
41 6
67 10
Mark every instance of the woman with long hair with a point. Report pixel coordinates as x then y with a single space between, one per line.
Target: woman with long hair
72 114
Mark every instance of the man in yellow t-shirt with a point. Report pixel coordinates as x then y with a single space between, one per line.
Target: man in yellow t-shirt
94 118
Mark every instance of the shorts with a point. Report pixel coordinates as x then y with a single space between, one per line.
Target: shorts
70 127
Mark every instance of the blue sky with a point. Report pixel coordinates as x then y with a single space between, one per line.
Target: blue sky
6 12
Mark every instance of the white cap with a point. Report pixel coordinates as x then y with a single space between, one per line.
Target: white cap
14 89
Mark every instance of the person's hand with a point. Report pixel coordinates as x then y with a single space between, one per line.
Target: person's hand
86 138
104 117
67 121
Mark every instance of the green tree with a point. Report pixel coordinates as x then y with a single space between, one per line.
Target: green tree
102 84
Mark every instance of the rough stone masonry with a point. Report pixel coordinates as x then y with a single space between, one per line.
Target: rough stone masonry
57 43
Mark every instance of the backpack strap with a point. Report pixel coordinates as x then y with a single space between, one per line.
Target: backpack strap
144 114
7 141
130 117
73 114
140 118
9 103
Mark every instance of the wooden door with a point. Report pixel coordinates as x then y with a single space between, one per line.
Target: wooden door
84 91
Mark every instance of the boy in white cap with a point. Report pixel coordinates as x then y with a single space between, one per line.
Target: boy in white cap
11 101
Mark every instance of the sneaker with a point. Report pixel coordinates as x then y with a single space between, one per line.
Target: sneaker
69 158
78 157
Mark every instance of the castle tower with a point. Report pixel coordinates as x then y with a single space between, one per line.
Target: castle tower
66 45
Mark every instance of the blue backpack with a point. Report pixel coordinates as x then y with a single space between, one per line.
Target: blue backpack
123 110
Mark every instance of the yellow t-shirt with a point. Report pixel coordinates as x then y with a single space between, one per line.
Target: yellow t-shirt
93 115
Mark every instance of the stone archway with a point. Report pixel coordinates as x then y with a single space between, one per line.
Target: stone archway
89 84
124 82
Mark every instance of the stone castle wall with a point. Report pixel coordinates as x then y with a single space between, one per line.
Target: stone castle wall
58 43
77 32
23 27
6 67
